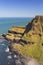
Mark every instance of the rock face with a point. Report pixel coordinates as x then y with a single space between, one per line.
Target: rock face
34 30
14 33
36 25
17 29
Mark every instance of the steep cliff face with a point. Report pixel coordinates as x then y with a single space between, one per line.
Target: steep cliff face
34 30
36 25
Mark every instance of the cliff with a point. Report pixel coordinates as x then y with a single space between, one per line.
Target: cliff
36 25
34 29
28 40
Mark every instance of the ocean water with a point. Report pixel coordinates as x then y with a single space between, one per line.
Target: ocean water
7 23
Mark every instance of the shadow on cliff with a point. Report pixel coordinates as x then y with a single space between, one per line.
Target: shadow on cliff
28 28
14 32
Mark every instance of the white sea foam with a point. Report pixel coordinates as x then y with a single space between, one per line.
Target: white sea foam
9 57
15 56
3 44
7 49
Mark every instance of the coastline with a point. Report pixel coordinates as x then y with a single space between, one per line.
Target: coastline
25 40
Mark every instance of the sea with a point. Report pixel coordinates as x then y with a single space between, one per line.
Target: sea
5 24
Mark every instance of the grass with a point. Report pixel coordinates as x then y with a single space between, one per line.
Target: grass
34 50
33 38
31 50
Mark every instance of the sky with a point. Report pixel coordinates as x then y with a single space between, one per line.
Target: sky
21 8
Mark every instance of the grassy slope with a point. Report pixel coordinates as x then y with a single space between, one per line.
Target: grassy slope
33 50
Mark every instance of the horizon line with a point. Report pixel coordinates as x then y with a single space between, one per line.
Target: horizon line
16 17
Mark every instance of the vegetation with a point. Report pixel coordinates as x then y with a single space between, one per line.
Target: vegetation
31 50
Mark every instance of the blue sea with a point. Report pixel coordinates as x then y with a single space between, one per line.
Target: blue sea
7 23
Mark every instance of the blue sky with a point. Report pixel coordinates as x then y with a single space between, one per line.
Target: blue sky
21 8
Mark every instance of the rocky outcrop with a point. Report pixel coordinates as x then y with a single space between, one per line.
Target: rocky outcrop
2 39
14 33
36 25
17 30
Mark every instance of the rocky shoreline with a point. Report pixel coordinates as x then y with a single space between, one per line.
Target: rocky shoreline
19 37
